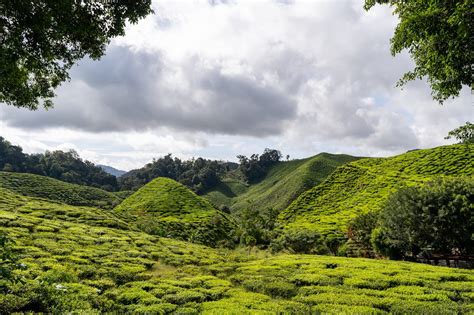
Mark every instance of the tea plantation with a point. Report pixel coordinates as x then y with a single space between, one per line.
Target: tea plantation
80 258
53 189
364 185
167 208
281 185
84 259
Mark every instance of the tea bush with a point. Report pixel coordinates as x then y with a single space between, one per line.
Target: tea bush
88 260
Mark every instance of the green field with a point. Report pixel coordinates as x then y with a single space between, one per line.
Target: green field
364 185
84 259
167 208
282 184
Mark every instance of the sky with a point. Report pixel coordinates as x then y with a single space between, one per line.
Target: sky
219 78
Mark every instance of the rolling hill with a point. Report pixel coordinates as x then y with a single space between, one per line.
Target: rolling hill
364 185
82 259
167 208
85 260
282 184
56 190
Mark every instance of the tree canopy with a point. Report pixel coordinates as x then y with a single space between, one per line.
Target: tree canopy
197 174
255 167
439 37
65 166
433 219
42 39
464 134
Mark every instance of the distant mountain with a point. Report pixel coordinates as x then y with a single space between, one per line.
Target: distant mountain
111 170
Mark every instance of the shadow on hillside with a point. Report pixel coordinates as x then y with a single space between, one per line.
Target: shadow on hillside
226 191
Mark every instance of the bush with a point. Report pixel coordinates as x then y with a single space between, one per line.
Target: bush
360 230
437 218
8 260
301 241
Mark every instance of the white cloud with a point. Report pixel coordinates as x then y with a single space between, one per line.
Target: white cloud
219 78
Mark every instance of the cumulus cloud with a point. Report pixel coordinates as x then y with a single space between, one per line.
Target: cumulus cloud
131 90
216 76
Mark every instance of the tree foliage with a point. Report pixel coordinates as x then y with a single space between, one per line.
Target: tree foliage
255 167
360 230
257 225
437 218
41 40
65 166
439 37
464 134
198 174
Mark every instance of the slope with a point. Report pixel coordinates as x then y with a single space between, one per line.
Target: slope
167 208
364 185
281 185
74 265
56 190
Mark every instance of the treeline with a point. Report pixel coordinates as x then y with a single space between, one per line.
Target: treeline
200 174
256 166
65 166
197 174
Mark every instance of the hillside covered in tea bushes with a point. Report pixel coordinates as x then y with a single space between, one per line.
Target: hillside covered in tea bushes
284 181
56 190
364 185
167 208
86 260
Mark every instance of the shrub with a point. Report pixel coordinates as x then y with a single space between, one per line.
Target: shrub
301 241
8 260
360 230
135 296
184 297
162 308
435 218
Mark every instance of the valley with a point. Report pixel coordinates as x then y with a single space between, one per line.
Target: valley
83 249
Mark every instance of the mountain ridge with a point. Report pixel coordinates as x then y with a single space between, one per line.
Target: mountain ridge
111 170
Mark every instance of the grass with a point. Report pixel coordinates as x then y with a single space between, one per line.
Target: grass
364 185
283 183
56 190
167 208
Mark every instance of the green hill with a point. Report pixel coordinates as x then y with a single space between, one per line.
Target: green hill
56 190
364 185
282 184
167 208
76 261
